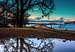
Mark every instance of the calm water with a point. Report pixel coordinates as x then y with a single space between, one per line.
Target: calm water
69 26
65 26
60 46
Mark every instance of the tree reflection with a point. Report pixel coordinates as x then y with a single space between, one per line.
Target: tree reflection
30 45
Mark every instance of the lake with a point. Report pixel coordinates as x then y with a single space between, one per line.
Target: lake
65 26
61 46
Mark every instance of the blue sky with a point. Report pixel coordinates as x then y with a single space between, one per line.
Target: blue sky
65 8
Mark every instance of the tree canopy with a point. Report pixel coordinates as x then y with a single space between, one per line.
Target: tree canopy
20 8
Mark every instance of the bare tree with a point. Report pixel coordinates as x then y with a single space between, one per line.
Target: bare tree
20 10
20 7
46 6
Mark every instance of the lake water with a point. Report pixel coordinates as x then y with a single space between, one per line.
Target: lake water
69 26
61 46
65 26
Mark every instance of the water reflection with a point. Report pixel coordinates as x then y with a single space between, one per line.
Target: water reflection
45 45
61 46
40 45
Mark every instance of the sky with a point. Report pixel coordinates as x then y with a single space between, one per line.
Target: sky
63 8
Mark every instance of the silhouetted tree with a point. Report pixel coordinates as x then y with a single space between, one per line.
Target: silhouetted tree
19 8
